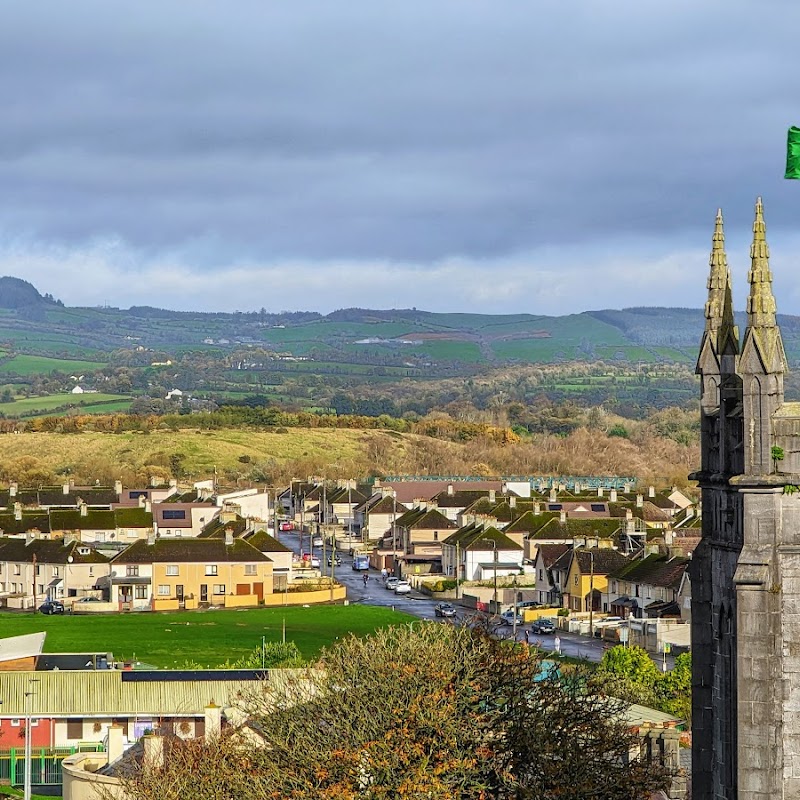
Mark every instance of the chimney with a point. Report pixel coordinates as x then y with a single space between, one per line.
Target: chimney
669 537
537 508
578 487
18 511
450 490
12 489
72 483
29 537
65 488
651 491
155 480
626 487
504 488
148 506
612 496
141 499
376 484
628 514
562 488
151 538
492 495
553 496
512 501
84 509
117 488
173 483
639 501
228 537
600 491
213 714
153 752
562 517
115 742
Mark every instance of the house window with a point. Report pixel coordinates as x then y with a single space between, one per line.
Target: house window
56 570
636 590
74 729
140 592
16 569
576 580
163 590
250 569
541 574
172 569
211 569
219 588
38 569
436 536
41 588
174 513
132 570
91 571
15 723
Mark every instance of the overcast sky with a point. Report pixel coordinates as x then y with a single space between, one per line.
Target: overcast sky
533 156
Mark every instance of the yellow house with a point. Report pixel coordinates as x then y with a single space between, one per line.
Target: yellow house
587 578
183 573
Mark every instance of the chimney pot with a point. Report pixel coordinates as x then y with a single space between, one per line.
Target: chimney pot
65 488
562 517
84 509
612 496
12 489
492 495
628 514
651 491
117 488
228 537
600 491
153 752
450 489
639 501
537 508
512 501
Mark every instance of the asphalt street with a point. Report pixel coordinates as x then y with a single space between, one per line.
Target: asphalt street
375 593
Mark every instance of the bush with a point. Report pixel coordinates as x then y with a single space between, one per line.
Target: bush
563 612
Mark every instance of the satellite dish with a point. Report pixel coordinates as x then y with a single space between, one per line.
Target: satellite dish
70 559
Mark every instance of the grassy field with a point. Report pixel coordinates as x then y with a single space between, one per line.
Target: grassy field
90 402
37 365
209 638
199 451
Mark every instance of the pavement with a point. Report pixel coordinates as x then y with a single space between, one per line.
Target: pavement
374 593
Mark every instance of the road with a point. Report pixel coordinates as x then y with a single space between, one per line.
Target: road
420 605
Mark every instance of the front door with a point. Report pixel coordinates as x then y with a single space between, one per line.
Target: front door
179 592
203 592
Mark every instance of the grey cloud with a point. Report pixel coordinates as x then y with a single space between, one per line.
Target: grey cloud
269 132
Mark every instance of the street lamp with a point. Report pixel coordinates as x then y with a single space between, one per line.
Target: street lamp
591 593
28 742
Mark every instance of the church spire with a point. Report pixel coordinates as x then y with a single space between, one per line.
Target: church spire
762 325
719 306
761 302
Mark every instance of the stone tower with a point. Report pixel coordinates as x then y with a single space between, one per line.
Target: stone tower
746 571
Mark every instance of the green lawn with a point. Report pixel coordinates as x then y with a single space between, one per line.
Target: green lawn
210 638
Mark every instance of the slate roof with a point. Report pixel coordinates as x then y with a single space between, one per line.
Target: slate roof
216 528
550 553
353 496
528 522
655 570
182 551
70 519
186 497
425 520
48 551
476 537
601 560
601 527
262 541
647 512
35 520
460 498
386 505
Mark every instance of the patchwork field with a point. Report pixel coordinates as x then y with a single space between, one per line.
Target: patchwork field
42 365
209 638
89 403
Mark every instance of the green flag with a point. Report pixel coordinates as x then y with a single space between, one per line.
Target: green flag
793 154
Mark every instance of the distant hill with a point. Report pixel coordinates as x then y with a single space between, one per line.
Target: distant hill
394 340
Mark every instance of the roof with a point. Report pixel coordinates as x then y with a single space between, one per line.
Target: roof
216 528
408 491
79 693
530 522
262 541
133 517
36 520
601 528
71 519
655 570
550 553
55 496
28 645
460 498
422 519
387 505
177 551
600 560
477 538
648 511
48 551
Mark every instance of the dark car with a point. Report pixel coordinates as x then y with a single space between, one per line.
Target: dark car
543 627
52 607
337 559
444 610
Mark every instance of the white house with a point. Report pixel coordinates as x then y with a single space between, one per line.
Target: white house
475 553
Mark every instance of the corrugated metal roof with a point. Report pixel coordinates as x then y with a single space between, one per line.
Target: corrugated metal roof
73 694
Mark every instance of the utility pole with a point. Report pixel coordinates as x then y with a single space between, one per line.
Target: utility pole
34 583
514 621
28 741
458 568
591 594
494 598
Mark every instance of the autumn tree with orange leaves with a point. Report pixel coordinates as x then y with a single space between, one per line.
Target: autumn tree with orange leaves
423 712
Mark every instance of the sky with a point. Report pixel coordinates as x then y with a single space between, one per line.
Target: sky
507 156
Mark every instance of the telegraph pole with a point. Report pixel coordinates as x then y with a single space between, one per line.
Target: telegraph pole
591 594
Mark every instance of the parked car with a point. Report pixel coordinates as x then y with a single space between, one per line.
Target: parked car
444 610
52 607
507 617
402 587
315 562
543 627
337 559
89 600
391 582
317 541
286 526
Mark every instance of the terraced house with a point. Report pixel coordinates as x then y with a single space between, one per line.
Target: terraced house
34 569
168 574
